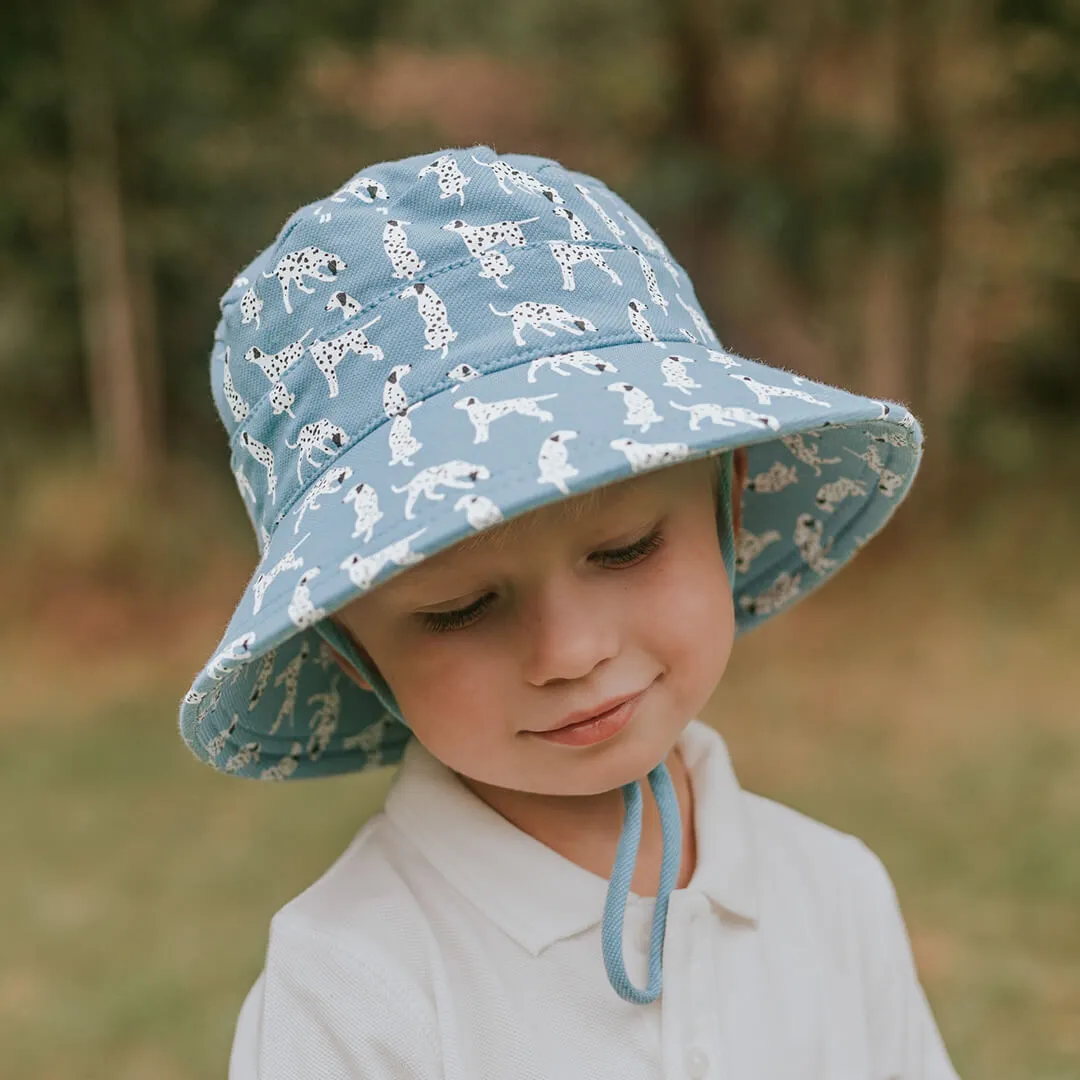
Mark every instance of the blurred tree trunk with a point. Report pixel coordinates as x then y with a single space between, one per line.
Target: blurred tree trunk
920 203
129 445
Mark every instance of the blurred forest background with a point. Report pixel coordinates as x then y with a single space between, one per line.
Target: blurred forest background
881 194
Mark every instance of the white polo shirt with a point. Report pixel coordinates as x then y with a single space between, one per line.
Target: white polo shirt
447 943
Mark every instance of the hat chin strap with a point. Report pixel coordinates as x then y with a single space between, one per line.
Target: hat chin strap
622 874
611 934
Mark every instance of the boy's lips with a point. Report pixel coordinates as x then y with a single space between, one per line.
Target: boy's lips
583 715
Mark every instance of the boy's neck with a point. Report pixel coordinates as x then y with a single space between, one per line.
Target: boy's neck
586 828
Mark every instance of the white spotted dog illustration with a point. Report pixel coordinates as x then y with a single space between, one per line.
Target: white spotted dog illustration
461 375
403 444
655 295
829 495
364 188
405 261
782 591
347 305
484 413
290 676
212 700
250 306
705 331
555 467
888 481
437 331
366 504
505 173
480 511
324 720
370 739
457 474
748 546
262 679
725 415
640 410
689 337
579 231
579 360
639 324
776 479
364 569
765 393
722 358
676 376
613 226
568 255
480 238
394 400
643 456
529 313
237 405
330 483
807 453
495 266
294 266
244 484
217 743
235 653
274 365
311 440
247 753
329 354
651 243
286 766
302 610
265 457
289 561
807 537
669 266
452 180
893 438
282 399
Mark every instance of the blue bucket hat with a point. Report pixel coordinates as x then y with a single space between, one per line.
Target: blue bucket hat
449 341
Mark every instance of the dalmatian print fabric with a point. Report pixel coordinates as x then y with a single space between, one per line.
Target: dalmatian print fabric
452 339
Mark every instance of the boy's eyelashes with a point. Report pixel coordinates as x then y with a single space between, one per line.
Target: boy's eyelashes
615 558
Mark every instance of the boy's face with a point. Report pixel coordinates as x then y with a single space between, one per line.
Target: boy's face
576 603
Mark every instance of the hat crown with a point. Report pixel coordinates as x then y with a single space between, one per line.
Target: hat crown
412 277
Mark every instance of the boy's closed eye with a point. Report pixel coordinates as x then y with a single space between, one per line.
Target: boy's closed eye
612 558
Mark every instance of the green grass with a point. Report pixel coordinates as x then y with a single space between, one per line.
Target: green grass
931 711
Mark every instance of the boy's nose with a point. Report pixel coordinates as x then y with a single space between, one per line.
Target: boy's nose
567 632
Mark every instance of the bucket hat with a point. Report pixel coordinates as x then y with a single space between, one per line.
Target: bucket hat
453 339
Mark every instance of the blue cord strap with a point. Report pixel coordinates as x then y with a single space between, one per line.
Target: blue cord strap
619 886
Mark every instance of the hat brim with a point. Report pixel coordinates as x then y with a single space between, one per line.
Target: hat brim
826 470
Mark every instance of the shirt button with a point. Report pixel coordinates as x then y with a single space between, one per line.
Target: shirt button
697 1063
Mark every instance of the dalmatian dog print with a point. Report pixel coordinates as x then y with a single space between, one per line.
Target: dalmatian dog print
293 267
329 354
250 306
640 410
483 414
553 460
540 316
302 610
579 360
807 539
704 330
725 415
641 325
510 177
452 180
676 376
404 260
330 483
457 474
765 394
568 255
642 456
437 330
275 365
363 188
579 231
748 546
366 504
461 375
289 561
655 295
237 405
480 511
778 477
312 440
265 457
347 305
364 569
612 226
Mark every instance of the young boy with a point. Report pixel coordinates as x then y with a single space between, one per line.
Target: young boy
531 511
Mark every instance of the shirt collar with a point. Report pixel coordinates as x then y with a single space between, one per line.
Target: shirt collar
533 893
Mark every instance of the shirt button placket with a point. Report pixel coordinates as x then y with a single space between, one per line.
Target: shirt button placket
697 1063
